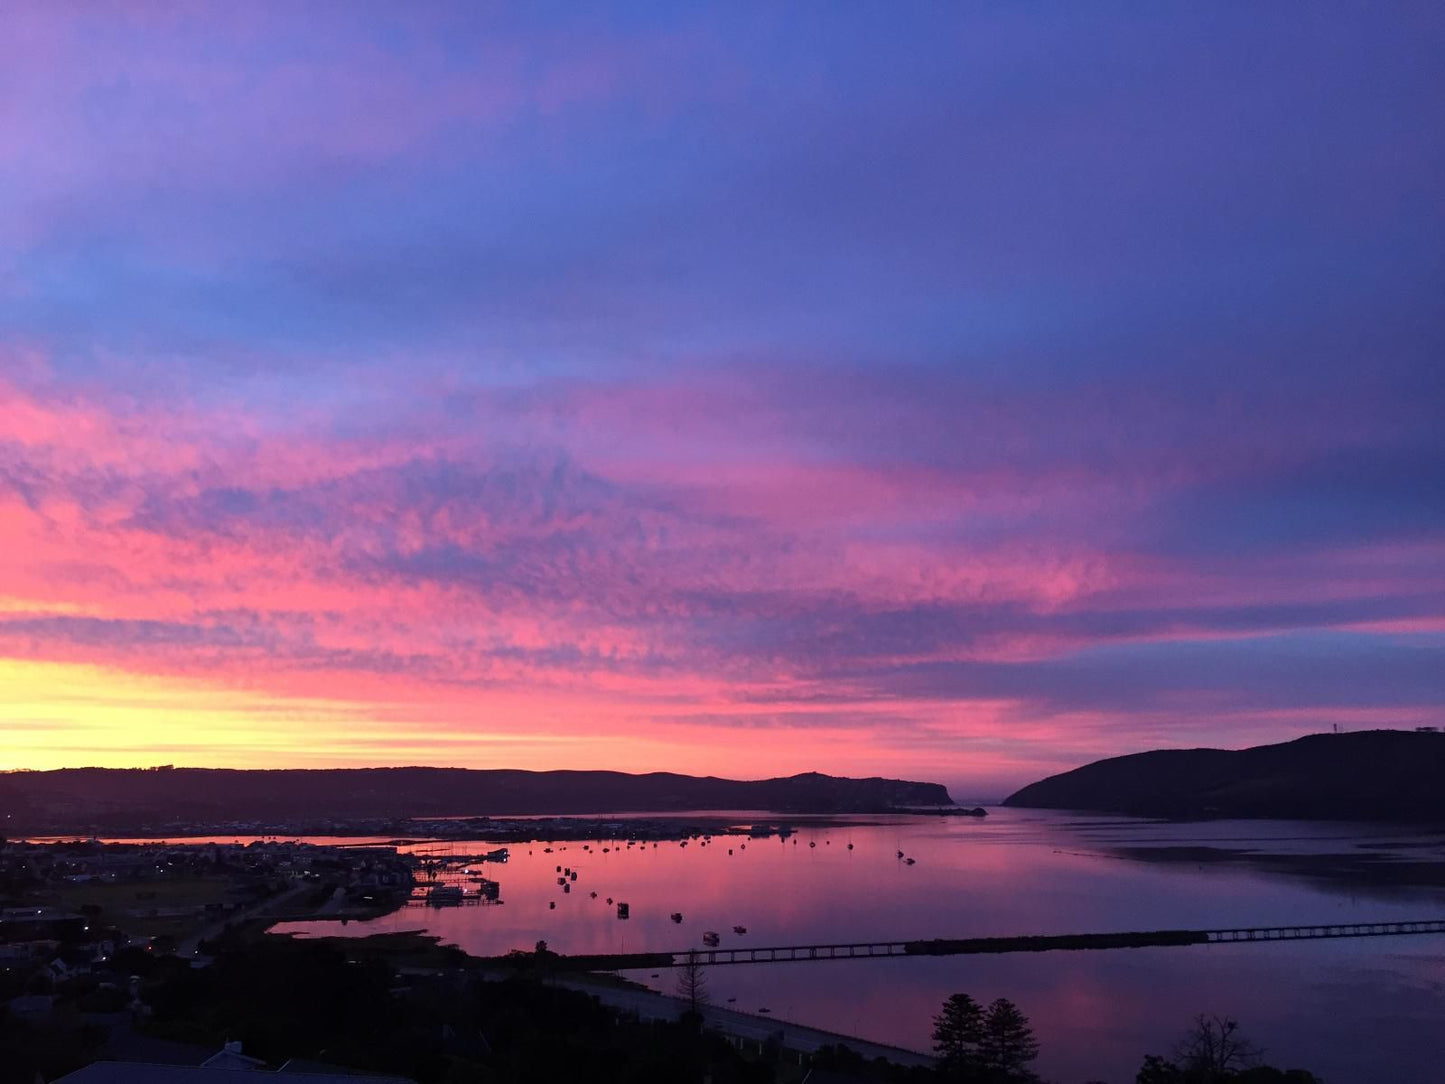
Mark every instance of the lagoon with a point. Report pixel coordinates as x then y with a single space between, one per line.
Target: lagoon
1354 1011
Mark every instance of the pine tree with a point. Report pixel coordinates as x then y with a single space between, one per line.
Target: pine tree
957 1030
1007 1044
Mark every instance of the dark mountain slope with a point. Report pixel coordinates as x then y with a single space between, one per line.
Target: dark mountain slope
100 797
1368 775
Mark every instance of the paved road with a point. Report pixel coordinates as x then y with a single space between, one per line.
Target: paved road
191 946
653 1006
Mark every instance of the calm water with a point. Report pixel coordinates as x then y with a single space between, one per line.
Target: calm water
1360 1011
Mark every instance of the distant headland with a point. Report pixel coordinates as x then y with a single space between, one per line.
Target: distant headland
118 801
1391 775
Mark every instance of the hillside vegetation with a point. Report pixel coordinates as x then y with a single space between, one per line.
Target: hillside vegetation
1367 775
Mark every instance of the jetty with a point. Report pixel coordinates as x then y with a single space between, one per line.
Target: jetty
869 950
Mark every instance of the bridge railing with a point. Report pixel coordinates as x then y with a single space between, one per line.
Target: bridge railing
1352 929
982 945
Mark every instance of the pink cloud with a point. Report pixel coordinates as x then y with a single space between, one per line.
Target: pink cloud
473 595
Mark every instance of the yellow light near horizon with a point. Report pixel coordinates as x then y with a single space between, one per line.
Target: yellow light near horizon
74 714
66 715
55 715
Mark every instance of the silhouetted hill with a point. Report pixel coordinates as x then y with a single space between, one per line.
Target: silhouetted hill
86 799
1367 775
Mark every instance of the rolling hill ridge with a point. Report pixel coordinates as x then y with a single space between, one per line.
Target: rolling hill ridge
1365 775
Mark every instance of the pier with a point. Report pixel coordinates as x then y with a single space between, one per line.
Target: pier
871 950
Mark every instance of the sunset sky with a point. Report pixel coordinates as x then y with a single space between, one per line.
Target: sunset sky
954 391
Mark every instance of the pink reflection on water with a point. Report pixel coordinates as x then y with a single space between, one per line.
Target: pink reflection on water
1097 1013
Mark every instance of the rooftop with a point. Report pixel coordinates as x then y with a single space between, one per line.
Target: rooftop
134 1072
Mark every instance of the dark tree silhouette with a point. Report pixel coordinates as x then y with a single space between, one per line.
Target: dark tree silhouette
1008 1044
1213 1047
957 1030
692 983
1156 1070
1214 1052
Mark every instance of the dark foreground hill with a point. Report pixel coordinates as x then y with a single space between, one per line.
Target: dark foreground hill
1368 775
95 799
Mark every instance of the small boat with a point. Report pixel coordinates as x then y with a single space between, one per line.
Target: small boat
444 896
900 854
501 854
623 911
710 939
909 861
676 916
740 930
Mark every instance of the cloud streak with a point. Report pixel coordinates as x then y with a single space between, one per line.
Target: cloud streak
937 392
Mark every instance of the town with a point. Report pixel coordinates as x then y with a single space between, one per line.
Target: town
80 921
122 956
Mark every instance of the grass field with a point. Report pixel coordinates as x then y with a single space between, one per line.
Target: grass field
139 908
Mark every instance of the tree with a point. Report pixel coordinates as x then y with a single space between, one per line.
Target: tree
1008 1043
1213 1051
1214 1048
1156 1070
957 1030
692 983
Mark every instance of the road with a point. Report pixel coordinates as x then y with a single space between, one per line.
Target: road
746 1026
191 946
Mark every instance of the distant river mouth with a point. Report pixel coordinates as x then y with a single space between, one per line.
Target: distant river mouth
1335 1007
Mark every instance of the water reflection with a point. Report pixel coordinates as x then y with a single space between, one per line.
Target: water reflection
1361 1011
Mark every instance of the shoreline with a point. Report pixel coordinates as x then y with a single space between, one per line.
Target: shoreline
520 828
416 952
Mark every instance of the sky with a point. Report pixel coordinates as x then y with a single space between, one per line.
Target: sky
959 392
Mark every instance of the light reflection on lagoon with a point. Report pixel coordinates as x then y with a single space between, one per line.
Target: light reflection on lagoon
1354 1011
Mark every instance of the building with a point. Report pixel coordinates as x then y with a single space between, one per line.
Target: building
229 1059
136 1072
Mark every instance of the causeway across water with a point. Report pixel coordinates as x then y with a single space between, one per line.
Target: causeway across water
864 950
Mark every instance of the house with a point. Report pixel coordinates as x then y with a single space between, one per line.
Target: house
230 1057
136 1072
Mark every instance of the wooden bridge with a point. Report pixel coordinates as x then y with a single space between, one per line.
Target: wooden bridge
713 957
